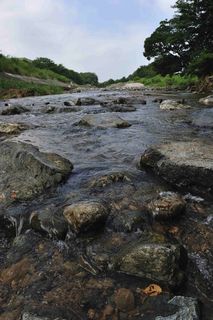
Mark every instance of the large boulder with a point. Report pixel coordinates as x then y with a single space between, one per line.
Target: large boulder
85 215
152 257
208 101
26 172
104 121
173 105
183 164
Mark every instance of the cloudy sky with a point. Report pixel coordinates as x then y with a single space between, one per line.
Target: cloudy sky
103 36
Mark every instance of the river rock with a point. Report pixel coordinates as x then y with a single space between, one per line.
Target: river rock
167 205
85 215
11 128
134 86
129 221
183 164
124 300
117 108
172 105
12 110
49 220
188 309
104 121
26 172
208 101
152 257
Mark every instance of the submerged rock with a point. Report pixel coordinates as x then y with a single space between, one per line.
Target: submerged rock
203 119
27 172
173 105
49 220
167 205
124 300
85 215
189 309
208 101
182 164
104 121
12 128
121 108
152 257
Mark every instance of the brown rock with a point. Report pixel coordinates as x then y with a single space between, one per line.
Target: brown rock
124 299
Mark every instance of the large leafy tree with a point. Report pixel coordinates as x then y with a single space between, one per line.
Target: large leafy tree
184 37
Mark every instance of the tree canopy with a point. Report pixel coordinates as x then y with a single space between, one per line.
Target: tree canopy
184 39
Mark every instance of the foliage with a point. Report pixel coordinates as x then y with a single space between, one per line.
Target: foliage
89 78
175 81
201 65
79 78
188 34
143 71
10 88
25 67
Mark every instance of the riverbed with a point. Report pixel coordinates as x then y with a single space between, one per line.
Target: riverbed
72 276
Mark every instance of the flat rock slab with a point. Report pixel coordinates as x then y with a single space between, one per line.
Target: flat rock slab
104 121
27 172
183 164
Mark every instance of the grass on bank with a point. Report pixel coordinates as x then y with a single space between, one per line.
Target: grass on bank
10 88
25 67
174 81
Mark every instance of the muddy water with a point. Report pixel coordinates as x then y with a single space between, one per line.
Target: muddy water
97 152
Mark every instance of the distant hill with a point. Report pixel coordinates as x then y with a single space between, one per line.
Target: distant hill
23 77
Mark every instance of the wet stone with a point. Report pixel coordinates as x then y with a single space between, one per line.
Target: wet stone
124 299
129 221
12 110
152 257
167 206
187 165
12 128
85 215
173 105
27 172
104 121
49 220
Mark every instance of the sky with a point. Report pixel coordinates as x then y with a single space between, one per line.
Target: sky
101 36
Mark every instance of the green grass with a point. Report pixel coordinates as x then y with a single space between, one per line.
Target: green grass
10 88
25 67
174 81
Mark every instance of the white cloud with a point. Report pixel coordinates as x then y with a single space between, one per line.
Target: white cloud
50 28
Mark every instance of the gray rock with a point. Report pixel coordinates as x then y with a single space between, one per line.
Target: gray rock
167 205
189 309
128 221
104 121
12 128
26 172
182 164
208 101
49 220
30 316
151 257
85 215
12 110
172 105
117 108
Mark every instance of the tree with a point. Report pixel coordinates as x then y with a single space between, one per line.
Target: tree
185 36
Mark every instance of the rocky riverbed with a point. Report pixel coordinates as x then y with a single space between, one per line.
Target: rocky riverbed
106 207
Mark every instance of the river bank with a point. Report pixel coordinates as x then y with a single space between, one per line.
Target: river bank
93 211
